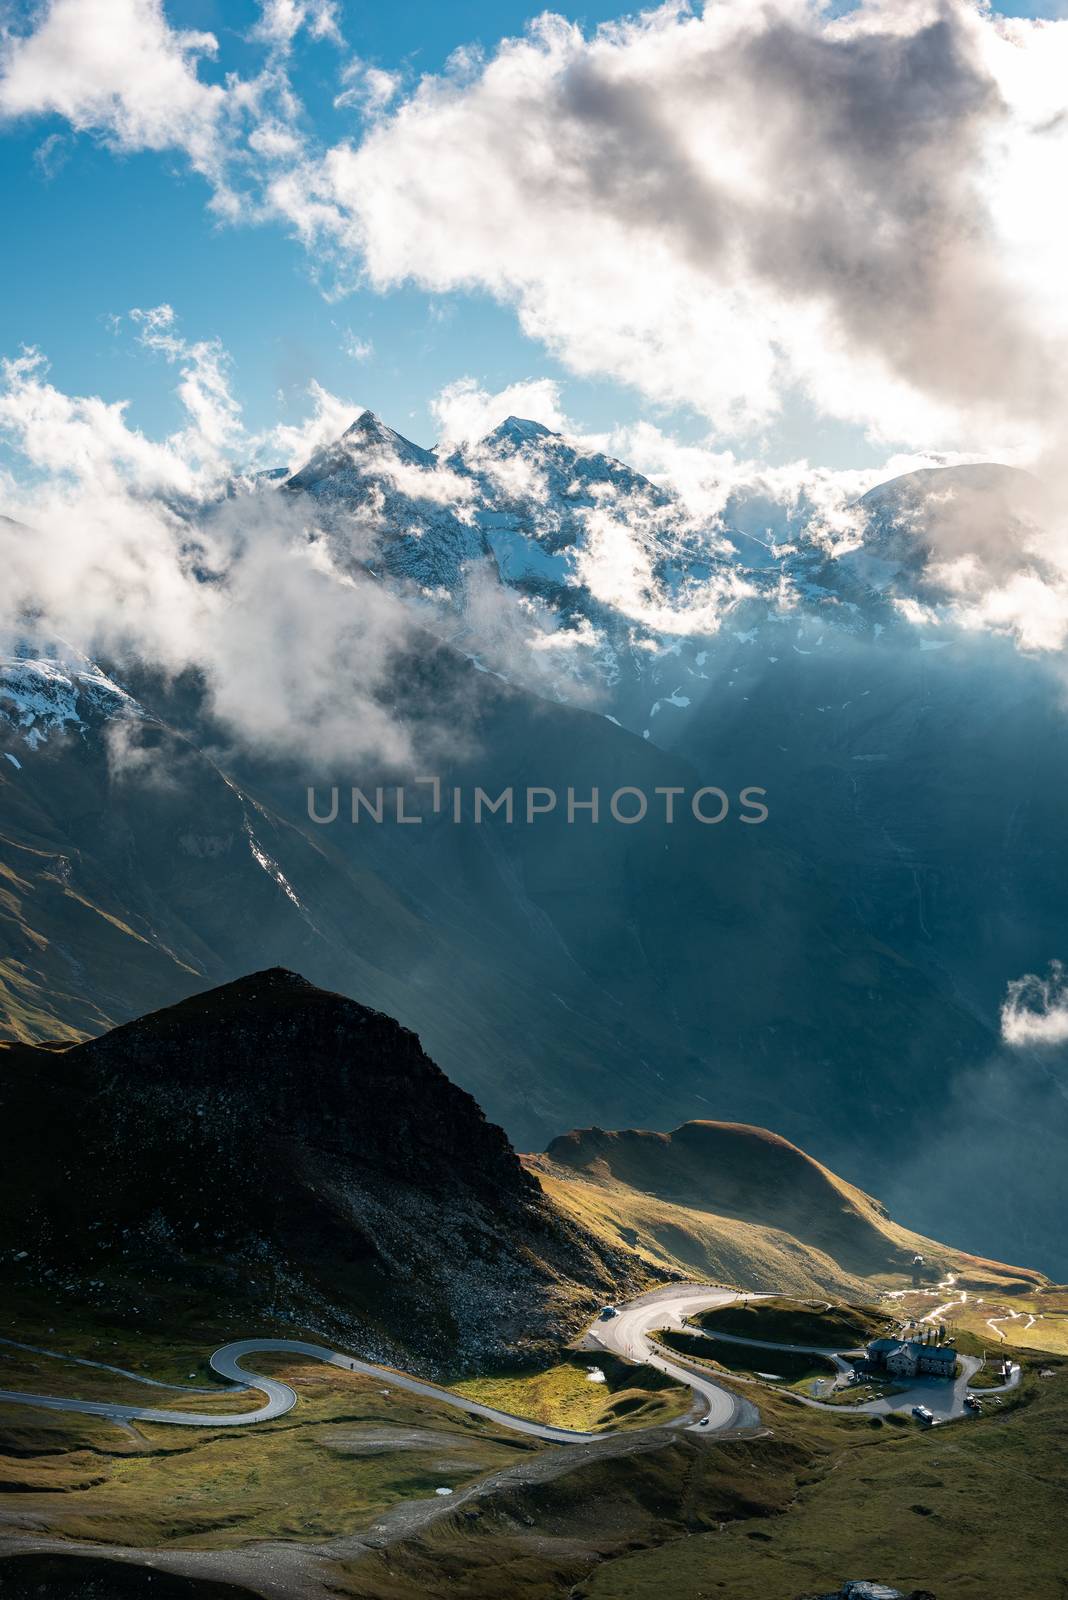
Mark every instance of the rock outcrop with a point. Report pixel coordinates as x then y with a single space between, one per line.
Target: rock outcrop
279 1146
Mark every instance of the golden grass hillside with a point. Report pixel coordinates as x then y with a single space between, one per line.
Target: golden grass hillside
591 1394
740 1205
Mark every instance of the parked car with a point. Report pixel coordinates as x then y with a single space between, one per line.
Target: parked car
922 1414
608 1312
973 1402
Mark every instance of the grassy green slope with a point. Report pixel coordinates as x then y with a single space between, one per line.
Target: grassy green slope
564 1395
968 1511
786 1321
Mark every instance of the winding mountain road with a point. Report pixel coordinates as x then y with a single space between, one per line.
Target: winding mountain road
626 1334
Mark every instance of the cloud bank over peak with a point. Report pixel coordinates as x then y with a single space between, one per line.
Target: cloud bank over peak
735 208
122 546
721 209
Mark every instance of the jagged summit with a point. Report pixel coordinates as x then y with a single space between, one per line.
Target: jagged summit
519 430
347 462
368 421
367 440
370 431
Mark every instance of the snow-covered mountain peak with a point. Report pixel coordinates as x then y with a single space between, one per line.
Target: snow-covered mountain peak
368 422
370 433
56 690
638 597
359 456
517 431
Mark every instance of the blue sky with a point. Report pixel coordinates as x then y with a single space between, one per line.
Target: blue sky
100 233
97 230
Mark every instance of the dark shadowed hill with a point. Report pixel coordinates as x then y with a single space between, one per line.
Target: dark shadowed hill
274 1145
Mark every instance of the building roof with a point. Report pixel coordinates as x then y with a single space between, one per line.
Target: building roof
936 1352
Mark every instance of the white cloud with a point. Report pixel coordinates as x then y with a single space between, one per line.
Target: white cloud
83 438
274 141
433 485
1031 609
204 390
281 21
703 475
369 89
529 642
996 549
116 67
464 412
138 549
291 444
88 440
51 155
355 348
617 563
722 208
998 545
1036 1009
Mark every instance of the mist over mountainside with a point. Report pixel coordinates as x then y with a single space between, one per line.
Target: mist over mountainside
837 972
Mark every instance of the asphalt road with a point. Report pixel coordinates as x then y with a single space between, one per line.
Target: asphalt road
944 1400
716 1409
625 1334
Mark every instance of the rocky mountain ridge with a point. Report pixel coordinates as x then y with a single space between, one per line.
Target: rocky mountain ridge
272 1147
